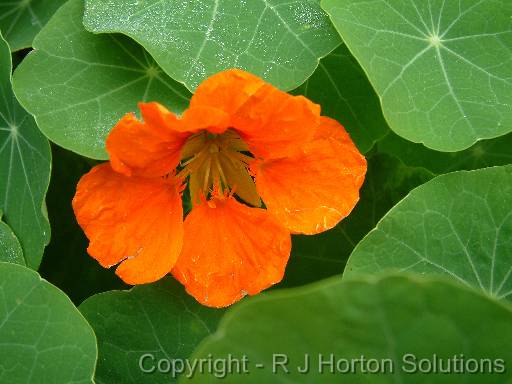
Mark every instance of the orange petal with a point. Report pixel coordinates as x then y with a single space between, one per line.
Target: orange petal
312 190
133 220
231 250
274 124
150 148
271 122
227 90
330 128
211 119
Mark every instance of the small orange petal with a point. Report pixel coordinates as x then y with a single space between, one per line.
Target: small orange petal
150 148
135 221
312 190
231 250
271 122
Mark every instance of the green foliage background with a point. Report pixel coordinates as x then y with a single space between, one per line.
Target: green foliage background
423 264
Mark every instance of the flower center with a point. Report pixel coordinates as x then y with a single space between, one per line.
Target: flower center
218 162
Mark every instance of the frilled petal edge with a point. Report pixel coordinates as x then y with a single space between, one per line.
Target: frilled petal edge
231 250
312 190
134 221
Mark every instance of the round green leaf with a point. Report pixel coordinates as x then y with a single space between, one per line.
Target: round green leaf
10 248
160 319
43 337
278 41
78 85
442 68
459 225
386 318
20 20
25 165
340 86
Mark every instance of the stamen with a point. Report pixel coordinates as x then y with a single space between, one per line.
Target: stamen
194 158
193 146
205 157
193 164
241 157
219 168
207 174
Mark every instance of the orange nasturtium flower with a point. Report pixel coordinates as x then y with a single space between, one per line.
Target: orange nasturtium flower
260 164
